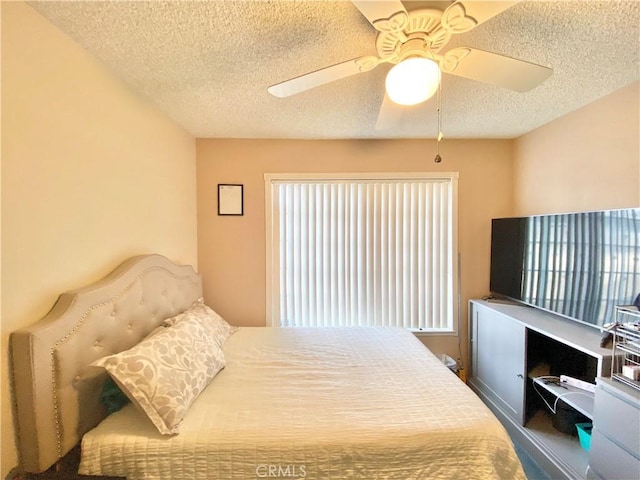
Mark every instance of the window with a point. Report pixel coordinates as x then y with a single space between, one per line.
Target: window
362 250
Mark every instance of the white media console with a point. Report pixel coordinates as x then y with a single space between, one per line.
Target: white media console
516 352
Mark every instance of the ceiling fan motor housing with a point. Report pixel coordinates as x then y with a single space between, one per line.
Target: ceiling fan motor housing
421 35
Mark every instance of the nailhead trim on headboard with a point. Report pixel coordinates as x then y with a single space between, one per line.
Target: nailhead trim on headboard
54 379
164 295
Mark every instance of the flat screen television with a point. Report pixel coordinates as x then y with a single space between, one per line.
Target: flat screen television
578 265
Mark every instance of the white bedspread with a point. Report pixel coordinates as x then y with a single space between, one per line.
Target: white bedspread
317 404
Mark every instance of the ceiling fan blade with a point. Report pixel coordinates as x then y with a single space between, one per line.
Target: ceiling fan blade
322 76
386 15
460 17
390 114
494 69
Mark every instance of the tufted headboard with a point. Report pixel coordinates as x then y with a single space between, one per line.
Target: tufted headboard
56 391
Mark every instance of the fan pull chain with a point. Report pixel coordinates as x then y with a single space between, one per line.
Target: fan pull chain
438 158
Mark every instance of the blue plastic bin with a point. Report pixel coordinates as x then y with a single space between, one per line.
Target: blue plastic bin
584 434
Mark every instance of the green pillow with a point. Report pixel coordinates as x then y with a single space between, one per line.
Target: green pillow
112 397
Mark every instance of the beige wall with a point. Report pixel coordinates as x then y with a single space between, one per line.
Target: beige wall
91 174
586 160
232 249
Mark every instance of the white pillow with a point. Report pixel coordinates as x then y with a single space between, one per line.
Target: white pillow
166 372
200 312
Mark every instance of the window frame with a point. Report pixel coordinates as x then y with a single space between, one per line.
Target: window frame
273 251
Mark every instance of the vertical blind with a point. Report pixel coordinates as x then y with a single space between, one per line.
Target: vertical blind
363 252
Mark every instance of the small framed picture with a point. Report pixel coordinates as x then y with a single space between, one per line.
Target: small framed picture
230 199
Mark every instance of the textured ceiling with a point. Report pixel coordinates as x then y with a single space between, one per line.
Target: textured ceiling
208 64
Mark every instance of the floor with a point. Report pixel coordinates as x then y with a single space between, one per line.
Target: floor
531 469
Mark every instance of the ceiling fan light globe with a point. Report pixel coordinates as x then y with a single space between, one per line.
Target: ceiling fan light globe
413 81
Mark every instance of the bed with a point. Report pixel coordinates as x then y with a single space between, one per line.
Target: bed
338 403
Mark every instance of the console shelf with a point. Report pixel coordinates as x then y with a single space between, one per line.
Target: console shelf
513 347
562 448
576 398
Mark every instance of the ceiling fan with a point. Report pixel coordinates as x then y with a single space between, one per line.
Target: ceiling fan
417 37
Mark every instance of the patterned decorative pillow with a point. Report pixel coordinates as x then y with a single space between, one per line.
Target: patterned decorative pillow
165 373
112 396
204 314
